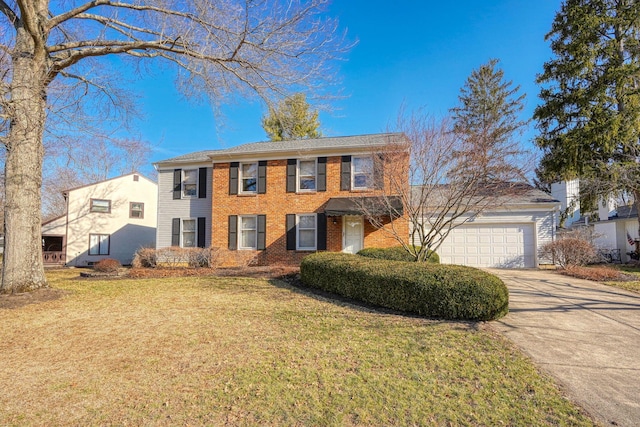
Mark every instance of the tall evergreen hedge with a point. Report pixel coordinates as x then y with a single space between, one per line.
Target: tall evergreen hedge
432 290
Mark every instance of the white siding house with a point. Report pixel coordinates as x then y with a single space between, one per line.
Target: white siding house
185 201
108 219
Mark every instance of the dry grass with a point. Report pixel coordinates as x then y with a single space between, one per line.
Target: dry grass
229 351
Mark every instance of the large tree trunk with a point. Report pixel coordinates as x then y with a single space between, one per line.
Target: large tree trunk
23 268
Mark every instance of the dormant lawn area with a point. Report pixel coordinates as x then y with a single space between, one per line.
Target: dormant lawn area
233 351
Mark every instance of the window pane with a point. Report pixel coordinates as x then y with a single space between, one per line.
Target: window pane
307 183
104 245
360 181
189 225
249 170
307 168
307 221
248 222
190 176
248 239
307 239
249 184
94 241
362 165
188 239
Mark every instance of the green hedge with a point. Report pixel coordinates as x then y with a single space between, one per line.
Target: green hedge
432 290
396 253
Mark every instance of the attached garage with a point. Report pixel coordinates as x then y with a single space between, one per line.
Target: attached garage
491 245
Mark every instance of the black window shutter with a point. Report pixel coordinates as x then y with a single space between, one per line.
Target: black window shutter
262 232
233 177
177 184
292 165
202 183
345 173
378 172
262 176
321 245
321 185
291 232
233 232
175 232
201 232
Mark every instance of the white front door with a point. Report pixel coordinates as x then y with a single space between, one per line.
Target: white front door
352 234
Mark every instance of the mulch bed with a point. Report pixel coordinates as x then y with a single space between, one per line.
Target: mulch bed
266 272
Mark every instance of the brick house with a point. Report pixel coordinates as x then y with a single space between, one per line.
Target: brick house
280 201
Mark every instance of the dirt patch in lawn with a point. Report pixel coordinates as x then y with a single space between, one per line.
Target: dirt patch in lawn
9 301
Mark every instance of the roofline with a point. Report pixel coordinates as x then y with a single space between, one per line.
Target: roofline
107 180
54 219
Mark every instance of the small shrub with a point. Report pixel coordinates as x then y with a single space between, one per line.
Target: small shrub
107 265
431 290
145 258
570 251
175 257
396 253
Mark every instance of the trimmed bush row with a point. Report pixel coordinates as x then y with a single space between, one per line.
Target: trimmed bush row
396 253
443 291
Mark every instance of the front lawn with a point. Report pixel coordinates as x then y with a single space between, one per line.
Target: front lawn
229 351
630 285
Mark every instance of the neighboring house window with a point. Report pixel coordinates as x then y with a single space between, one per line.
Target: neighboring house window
188 233
248 232
306 232
136 210
248 177
307 175
190 183
101 206
98 244
361 173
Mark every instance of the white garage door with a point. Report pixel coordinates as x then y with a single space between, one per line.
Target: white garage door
490 245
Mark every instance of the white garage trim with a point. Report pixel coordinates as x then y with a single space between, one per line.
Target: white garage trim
497 245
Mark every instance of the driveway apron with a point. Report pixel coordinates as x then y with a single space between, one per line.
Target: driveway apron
585 334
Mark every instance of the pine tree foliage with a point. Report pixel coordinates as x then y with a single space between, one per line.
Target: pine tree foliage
589 119
487 120
292 118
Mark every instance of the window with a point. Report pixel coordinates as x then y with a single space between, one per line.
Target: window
248 177
361 173
190 183
306 236
188 233
248 232
101 206
307 175
98 244
136 210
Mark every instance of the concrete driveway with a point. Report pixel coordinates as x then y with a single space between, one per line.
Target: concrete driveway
584 334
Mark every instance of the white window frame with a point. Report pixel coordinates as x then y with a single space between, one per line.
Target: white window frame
299 176
195 232
241 230
369 174
241 178
184 183
102 237
298 229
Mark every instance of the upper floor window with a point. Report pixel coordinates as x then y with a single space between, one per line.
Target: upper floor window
136 210
249 177
248 232
190 183
100 205
306 232
307 173
362 172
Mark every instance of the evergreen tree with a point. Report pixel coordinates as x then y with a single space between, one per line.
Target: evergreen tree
487 121
291 119
589 120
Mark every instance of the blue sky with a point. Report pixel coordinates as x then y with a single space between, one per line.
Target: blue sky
414 52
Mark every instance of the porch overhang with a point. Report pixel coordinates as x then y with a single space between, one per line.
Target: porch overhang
370 205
